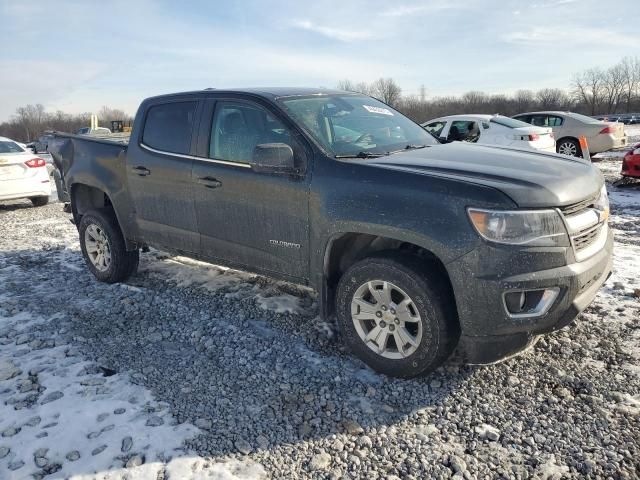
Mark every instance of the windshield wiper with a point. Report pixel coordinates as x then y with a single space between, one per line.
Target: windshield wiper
408 147
414 147
363 154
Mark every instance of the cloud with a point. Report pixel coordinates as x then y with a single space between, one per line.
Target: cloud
567 36
432 7
341 34
37 81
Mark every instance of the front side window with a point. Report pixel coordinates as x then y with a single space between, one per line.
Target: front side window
435 128
168 127
539 120
239 127
10 147
464 131
347 125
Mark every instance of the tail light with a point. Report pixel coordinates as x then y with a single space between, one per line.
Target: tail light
533 137
35 162
608 129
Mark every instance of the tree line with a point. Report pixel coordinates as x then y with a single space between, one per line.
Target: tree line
595 91
31 121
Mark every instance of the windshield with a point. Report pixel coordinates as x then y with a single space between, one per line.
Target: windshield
509 122
10 147
355 124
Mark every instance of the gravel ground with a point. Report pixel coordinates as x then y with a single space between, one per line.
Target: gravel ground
251 384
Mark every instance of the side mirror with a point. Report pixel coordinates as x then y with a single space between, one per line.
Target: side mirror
273 158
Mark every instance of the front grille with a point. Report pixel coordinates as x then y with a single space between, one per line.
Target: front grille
578 207
585 238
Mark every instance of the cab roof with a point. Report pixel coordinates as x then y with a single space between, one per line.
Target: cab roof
271 93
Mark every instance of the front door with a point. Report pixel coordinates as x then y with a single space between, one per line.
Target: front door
159 168
258 221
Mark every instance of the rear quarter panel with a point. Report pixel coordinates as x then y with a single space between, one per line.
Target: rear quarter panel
97 164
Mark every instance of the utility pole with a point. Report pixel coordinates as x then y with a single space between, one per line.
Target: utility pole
423 94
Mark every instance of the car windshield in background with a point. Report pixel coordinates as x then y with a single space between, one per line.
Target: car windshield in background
10 147
356 125
509 122
584 118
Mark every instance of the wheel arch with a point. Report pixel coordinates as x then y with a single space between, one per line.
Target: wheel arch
567 137
85 197
345 249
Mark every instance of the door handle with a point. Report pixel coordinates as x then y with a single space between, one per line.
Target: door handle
209 182
142 171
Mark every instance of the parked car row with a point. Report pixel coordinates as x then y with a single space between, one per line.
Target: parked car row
550 131
491 130
626 118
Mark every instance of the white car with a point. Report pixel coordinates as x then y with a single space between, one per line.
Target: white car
491 130
22 174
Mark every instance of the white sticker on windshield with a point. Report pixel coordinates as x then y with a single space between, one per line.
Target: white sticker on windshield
381 111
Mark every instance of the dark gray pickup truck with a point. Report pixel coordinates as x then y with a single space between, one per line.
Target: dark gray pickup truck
416 247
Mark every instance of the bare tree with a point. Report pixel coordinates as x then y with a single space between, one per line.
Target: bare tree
30 118
552 99
588 88
631 80
524 100
387 90
346 85
613 88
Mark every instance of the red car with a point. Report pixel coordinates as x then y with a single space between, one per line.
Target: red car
631 162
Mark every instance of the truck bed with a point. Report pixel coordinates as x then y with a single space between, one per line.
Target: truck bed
89 152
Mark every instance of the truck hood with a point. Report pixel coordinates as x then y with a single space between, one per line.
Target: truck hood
531 179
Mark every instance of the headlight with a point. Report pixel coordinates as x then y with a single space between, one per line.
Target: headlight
602 204
539 228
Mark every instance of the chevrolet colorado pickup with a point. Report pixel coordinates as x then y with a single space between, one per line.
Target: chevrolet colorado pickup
416 247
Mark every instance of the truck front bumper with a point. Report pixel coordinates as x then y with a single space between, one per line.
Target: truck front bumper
489 332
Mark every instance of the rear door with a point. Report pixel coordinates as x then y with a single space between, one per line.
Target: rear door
252 220
159 168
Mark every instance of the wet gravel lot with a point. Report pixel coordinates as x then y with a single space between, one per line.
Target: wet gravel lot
248 362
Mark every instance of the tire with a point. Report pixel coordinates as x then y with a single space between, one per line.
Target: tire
436 331
39 201
569 146
100 234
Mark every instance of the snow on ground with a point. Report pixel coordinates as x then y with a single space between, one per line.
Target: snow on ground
196 372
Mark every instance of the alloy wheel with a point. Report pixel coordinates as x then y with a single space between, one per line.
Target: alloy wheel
386 319
97 246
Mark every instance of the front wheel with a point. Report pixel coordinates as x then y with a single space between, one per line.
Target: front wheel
103 247
395 317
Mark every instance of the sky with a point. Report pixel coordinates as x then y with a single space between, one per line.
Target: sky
77 56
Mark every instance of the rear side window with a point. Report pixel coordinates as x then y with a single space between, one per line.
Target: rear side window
168 127
554 121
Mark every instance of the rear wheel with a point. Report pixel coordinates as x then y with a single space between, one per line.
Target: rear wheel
394 317
39 201
568 146
103 247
